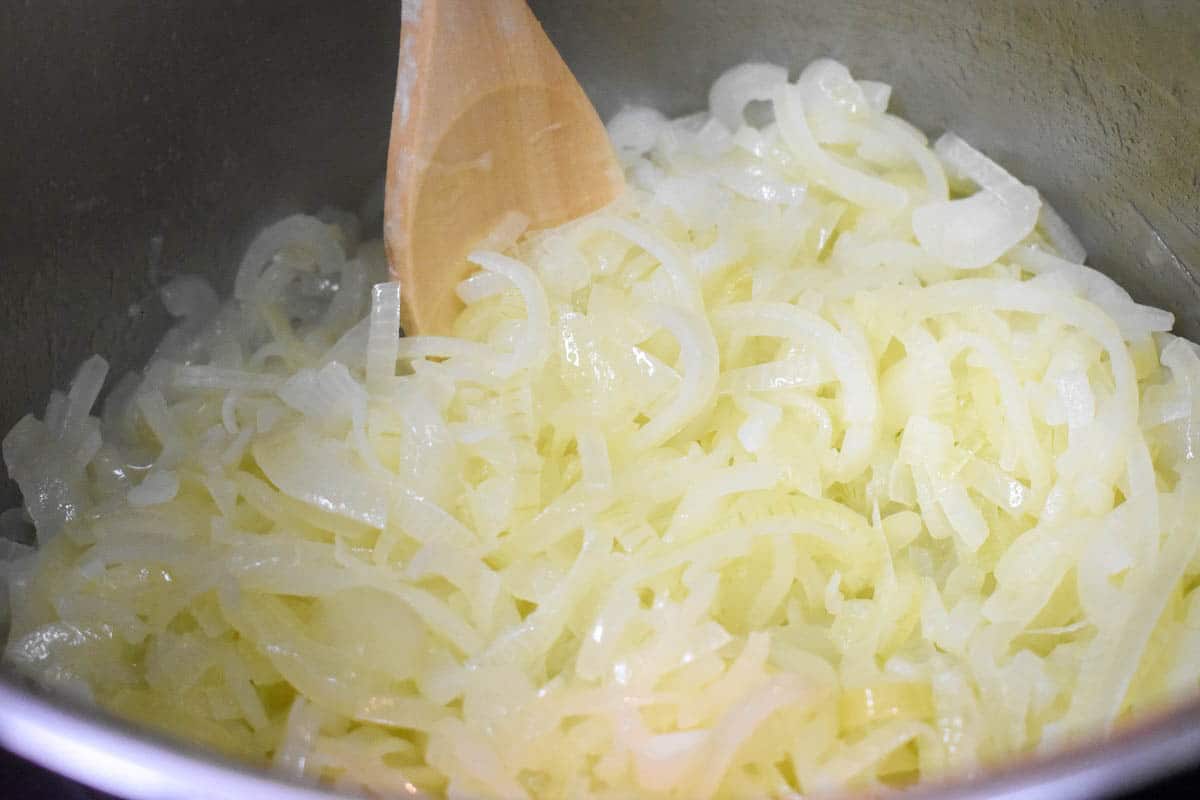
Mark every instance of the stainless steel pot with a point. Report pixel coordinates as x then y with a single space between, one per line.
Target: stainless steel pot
141 140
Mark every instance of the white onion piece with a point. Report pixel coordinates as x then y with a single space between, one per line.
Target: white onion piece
298 230
324 473
1060 234
383 337
481 286
190 297
857 187
1135 321
347 305
634 130
915 147
218 378
157 487
964 162
739 86
826 85
699 364
975 231
672 259
595 460
533 347
85 388
860 400
877 94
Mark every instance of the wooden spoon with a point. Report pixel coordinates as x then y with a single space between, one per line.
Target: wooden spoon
491 135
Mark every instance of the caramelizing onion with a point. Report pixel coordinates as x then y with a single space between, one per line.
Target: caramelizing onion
818 460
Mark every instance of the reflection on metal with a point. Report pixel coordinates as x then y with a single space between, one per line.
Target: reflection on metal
1159 253
200 122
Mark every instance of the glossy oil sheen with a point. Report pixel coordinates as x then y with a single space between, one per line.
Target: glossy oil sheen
143 140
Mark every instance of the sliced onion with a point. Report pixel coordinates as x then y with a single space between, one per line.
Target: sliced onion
739 86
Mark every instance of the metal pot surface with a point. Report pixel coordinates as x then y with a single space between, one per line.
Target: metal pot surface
144 140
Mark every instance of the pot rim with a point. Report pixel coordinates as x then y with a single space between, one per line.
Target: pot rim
95 748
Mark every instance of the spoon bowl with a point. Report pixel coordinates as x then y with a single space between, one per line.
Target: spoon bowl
491 136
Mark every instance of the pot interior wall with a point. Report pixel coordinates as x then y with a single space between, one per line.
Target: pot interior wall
143 140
